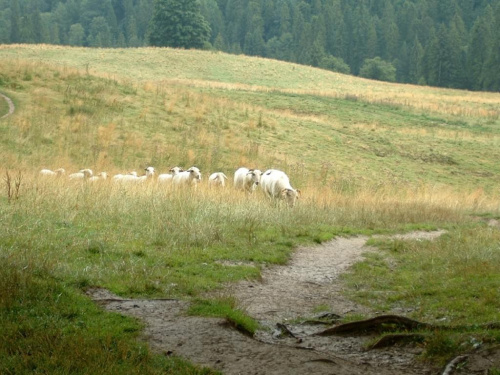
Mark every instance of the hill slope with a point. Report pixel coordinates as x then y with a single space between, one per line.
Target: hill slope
133 107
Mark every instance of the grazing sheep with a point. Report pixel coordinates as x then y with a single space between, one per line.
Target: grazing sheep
217 179
48 172
133 178
129 176
276 185
101 176
247 179
82 174
150 172
167 177
190 177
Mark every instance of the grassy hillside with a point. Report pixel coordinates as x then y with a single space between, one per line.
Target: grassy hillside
369 157
167 107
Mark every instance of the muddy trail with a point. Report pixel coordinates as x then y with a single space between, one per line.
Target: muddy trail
288 345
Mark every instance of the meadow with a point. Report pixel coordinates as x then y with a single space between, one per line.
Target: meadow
370 158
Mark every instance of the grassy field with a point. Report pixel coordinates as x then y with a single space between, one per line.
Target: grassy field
369 157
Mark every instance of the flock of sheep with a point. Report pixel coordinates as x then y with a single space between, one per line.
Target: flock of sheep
274 183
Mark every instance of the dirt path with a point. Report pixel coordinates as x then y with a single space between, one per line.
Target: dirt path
11 106
285 292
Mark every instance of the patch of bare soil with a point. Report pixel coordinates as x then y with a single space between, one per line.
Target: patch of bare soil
10 103
311 279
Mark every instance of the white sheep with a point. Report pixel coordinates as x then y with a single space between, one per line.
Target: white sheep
129 176
190 177
167 177
217 179
47 172
247 179
150 172
82 174
133 178
276 185
101 176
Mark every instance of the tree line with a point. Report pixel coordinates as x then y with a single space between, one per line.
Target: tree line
446 43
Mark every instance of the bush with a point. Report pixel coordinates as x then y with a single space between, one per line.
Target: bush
334 64
378 69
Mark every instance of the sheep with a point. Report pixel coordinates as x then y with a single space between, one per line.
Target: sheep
101 176
247 179
47 172
82 174
276 185
167 177
133 178
129 176
190 177
217 179
150 172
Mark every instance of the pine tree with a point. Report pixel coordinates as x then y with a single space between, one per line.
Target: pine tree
15 18
178 23
99 34
415 62
214 17
131 33
236 17
491 72
478 53
37 26
254 40
76 35
334 23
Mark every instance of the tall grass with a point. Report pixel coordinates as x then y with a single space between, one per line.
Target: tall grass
151 240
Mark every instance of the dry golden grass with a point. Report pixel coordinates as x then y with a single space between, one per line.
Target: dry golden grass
157 67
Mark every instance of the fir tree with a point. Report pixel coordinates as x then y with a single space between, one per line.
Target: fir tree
15 32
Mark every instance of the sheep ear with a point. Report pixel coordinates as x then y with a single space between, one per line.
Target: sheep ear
298 192
283 192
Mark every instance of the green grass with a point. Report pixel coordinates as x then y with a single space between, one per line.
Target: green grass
369 157
50 327
4 107
451 281
225 308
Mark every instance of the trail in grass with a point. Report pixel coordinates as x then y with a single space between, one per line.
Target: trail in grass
10 104
310 279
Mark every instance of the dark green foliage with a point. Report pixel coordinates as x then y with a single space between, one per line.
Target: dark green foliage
378 69
334 64
178 23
